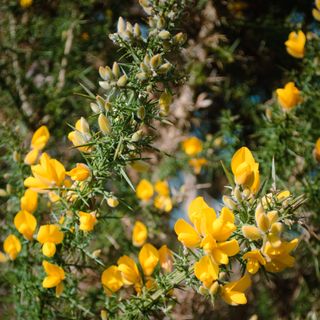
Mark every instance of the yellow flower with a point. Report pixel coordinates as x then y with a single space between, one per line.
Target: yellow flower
25 3
31 157
54 278
206 270
12 246
25 223
245 169
209 232
192 146
81 136
255 259
49 173
40 138
316 11
162 188
111 280
166 258
295 44
163 203
197 164
129 271
187 235
144 190
279 257
233 292
87 221
80 173
316 150
29 201
49 236
148 258
220 251
289 96
139 234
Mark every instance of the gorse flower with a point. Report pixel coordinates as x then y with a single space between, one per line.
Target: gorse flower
81 136
38 142
12 246
54 278
127 272
295 44
48 174
144 190
87 220
80 173
192 146
49 236
245 170
209 232
29 201
25 223
111 280
139 234
206 270
289 96
279 258
254 260
233 292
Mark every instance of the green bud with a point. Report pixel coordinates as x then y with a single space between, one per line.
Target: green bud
121 25
155 61
122 81
164 68
141 112
104 124
116 70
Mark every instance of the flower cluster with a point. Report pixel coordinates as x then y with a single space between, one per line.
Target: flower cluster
162 201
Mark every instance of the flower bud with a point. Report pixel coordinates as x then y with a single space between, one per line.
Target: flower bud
214 288
116 70
164 34
164 68
272 216
121 26
96 253
262 222
106 73
251 232
104 315
141 112
104 124
229 202
142 76
112 202
9 188
95 108
259 210
129 28
137 136
155 61
122 81
136 30
105 85
16 156
160 23
203 290
237 193
180 38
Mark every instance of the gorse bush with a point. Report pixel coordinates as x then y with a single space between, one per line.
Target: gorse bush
99 230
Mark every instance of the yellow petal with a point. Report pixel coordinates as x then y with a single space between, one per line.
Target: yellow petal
187 234
139 234
148 258
40 138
